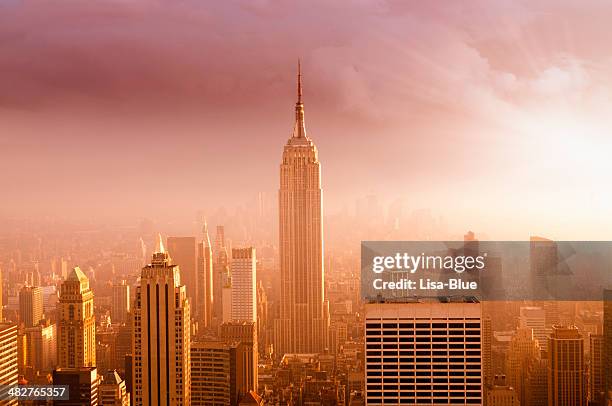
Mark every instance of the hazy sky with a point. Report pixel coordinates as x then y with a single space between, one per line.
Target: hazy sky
495 114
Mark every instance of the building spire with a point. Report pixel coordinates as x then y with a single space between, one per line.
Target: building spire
206 239
300 128
160 245
160 256
299 82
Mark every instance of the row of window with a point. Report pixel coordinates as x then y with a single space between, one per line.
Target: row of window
427 380
404 373
425 344
422 388
394 398
387 361
370 325
411 333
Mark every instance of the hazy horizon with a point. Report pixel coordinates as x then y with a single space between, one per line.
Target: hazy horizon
493 116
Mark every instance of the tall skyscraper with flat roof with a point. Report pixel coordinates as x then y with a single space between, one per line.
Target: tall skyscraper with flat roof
423 352
535 318
161 337
304 316
120 305
76 326
244 284
184 253
30 305
566 367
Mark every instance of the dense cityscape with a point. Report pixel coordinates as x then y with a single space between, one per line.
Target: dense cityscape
132 316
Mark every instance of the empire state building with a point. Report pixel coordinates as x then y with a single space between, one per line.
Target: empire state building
304 314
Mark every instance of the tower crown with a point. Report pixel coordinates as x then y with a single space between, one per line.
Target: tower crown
299 130
160 256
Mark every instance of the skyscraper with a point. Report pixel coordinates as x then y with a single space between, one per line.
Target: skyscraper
221 277
522 352
596 368
425 351
543 260
566 380
244 332
8 359
205 293
30 305
41 347
120 306
534 318
161 339
304 318
210 373
184 253
76 327
244 289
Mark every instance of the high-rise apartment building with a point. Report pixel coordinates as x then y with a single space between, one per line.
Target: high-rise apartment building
425 351
120 305
112 391
83 384
304 313
244 284
566 368
161 338
205 292
76 326
8 360
184 254
30 305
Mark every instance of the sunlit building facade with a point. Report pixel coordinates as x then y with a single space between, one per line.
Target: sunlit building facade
304 316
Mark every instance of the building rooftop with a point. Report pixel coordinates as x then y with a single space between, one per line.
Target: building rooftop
77 275
425 299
